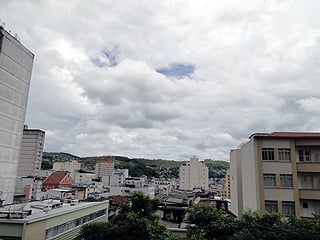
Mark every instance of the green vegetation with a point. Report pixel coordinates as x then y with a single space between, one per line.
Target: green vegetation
207 223
137 166
135 220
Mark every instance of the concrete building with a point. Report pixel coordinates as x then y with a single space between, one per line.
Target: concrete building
228 185
49 219
31 152
70 166
279 172
15 73
104 168
193 174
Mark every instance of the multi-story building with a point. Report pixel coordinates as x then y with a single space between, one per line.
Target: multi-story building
15 73
31 152
50 219
70 166
279 172
193 174
227 184
104 168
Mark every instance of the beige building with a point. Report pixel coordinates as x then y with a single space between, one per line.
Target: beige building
193 174
15 73
227 184
31 152
72 167
278 172
104 168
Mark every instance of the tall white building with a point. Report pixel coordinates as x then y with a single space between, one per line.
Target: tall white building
194 174
15 73
31 152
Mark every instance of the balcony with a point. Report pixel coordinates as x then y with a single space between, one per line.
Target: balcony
308 167
313 194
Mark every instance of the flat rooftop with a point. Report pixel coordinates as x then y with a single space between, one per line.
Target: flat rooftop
40 210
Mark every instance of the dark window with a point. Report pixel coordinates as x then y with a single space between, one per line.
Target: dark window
271 206
267 154
288 208
269 180
286 180
305 205
304 155
284 154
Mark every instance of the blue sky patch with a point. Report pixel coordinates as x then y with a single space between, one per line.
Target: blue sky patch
107 59
177 70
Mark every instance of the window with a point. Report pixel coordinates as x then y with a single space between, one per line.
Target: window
305 205
267 154
304 155
286 180
271 206
284 154
269 180
288 208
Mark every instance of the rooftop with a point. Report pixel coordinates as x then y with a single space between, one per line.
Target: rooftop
40 210
287 135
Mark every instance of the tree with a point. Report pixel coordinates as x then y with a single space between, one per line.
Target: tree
208 223
135 220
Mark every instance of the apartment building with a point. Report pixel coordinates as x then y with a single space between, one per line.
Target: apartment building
227 184
193 174
277 172
31 152
104 168
15 73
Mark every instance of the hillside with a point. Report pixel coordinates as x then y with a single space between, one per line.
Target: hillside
139 166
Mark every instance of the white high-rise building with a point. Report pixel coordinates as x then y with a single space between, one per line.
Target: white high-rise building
15 73
194 174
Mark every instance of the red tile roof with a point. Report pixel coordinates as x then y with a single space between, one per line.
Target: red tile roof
55 178
287 135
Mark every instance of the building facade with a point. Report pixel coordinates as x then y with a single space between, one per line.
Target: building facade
277 172
15 73
193 174
31 152
50 219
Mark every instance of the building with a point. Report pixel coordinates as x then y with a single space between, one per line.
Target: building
104 168
15 73
193 174
279 172
227 184
69 166
49 219
31 152
57 180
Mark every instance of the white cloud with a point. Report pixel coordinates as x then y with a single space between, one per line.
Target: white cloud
95 88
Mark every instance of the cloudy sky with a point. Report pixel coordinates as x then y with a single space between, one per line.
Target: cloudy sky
168 79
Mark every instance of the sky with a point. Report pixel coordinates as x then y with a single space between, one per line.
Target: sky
168 79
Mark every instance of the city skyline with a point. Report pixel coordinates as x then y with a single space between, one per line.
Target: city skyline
168 79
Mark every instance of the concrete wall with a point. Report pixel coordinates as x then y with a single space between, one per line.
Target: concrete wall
15 74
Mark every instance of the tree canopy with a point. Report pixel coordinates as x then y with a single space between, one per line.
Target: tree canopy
135 220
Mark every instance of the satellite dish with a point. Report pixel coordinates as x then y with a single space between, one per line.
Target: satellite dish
197 200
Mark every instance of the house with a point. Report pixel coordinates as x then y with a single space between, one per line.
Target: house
57 180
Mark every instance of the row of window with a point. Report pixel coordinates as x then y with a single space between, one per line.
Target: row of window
284 154
269 180
288 207
51 232
268 154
